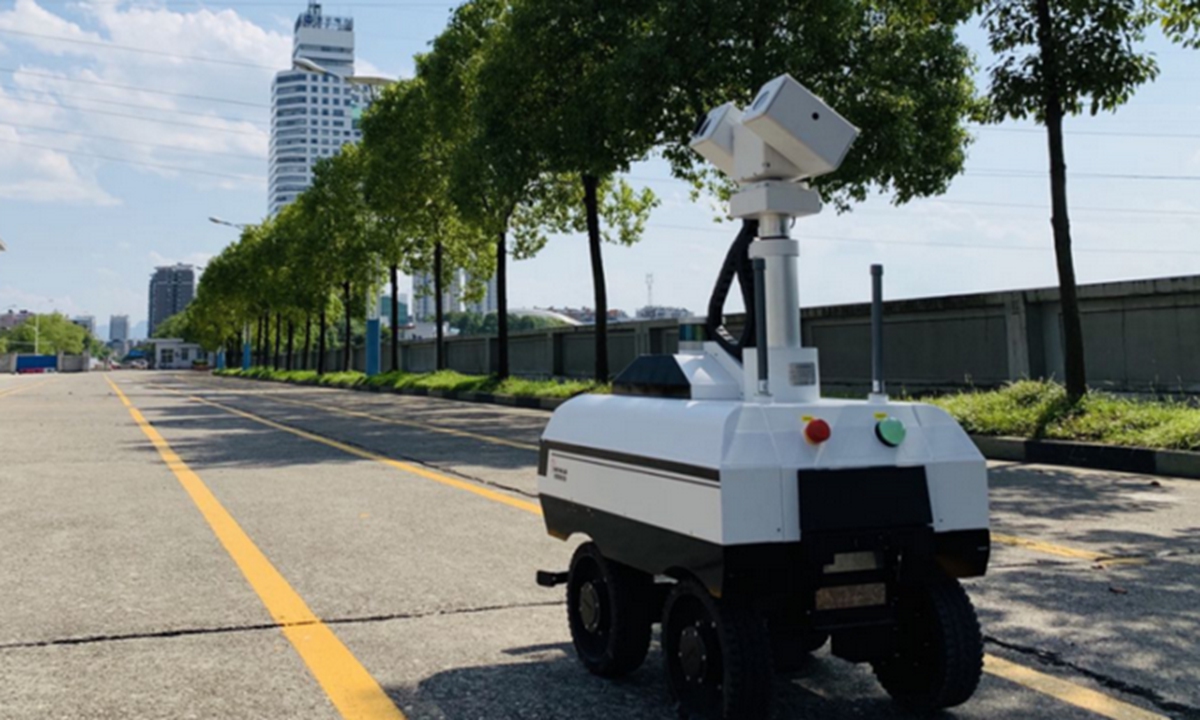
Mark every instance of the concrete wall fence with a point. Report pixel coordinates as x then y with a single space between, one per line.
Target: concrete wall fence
1140 336
10 362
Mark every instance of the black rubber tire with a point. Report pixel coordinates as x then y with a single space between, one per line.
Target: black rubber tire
939 654
737 683
614 640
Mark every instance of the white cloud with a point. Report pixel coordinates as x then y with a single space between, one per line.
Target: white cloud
12 297
35 174
213 137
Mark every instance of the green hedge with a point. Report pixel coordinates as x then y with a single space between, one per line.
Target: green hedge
446 380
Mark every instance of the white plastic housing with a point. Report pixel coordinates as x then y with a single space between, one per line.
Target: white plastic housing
800 126
758 451
754 160
714 138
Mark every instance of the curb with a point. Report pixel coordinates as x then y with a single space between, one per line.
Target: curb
530 403
1145 461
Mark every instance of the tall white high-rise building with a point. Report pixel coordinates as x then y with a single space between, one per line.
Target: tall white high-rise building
312 113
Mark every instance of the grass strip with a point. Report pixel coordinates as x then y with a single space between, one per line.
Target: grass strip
445 381
1039 410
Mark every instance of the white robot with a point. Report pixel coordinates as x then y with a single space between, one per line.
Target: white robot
725 498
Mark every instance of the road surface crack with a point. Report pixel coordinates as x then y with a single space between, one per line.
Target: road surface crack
1047 657
258 627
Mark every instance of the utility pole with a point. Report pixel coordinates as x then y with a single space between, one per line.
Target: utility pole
649 290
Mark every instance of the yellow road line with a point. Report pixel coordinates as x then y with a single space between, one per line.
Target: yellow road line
1066 691
23 388
418 470
1064 551
407 423
441 429
349 686
1013 540
1062 690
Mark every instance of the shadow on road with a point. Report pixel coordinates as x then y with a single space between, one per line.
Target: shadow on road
552 684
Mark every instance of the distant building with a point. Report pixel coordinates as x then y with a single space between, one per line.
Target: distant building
312 113
10 319
424 306
175 354
587 316
385 309
171 289
490 302
662 312
87 322
118 328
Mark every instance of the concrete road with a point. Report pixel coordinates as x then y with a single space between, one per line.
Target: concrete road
230 549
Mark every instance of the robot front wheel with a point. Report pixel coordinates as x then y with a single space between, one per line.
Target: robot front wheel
717 655
939 650
610 608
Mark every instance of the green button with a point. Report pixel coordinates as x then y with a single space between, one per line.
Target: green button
890 432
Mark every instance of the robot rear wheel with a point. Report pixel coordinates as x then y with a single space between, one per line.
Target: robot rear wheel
717 655
939 654
610 608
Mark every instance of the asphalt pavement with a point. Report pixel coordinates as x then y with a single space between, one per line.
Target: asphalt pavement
182 546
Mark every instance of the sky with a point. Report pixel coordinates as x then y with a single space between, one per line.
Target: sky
125 125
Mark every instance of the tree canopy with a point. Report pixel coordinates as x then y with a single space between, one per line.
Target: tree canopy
524 117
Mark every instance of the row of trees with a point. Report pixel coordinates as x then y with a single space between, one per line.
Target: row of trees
524 114
50 334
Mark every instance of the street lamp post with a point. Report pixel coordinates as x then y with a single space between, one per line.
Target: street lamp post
373 85
245 326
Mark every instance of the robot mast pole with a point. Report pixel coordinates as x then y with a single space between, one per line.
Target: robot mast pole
783 291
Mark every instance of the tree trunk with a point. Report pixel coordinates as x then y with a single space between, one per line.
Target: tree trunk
395 323
291 344
307 340
278 332
346 311
502 306
1076 374
591 205
262 339
324 321
438 310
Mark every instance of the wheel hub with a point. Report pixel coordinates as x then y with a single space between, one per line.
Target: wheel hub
693 653
589 607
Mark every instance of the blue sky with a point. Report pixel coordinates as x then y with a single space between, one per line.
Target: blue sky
94 194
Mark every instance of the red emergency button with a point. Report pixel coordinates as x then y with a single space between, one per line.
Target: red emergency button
817 431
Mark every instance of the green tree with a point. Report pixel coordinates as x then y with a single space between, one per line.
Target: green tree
48 334
493 185
1057 59
336 209
408 189
894 68
558 90
175 326
1181 21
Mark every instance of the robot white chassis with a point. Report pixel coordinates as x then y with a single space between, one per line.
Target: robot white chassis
756 518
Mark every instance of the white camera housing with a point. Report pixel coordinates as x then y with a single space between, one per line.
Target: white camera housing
798 125
755 160
714 139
